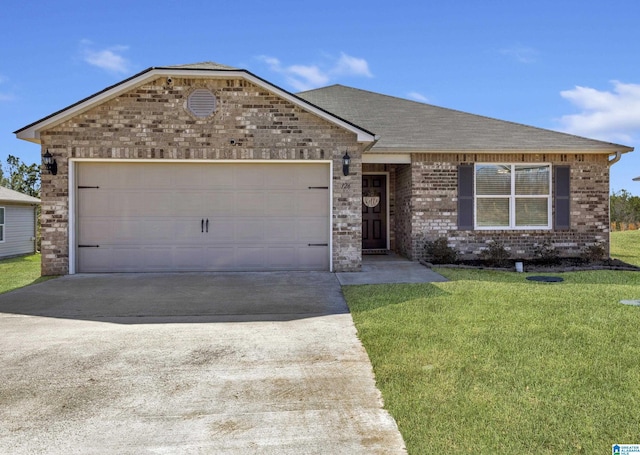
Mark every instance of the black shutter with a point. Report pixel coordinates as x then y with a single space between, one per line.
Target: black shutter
562 190
465 197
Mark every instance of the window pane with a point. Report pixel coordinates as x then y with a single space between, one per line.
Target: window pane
492 212
1 233
493 179
1 215
532 212
532 179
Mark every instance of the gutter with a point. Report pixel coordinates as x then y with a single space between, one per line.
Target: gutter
615 159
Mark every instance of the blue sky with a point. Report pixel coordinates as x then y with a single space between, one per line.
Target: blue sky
566 65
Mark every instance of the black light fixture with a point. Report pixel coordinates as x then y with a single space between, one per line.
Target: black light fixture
50 163
346 161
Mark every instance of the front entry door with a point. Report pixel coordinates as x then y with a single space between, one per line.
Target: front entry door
374 212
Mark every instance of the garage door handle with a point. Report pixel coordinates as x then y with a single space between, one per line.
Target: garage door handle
202 225
318 244
207 224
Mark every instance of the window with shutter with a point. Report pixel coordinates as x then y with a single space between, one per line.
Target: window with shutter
512 196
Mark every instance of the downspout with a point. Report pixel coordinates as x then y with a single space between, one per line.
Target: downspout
610 163
615 159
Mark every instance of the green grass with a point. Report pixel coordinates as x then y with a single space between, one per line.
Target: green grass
625 245
491 363
19 272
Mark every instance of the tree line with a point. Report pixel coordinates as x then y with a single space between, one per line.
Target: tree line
19 176
624 210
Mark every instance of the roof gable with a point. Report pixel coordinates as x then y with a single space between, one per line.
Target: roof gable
411 126
7 195
32 131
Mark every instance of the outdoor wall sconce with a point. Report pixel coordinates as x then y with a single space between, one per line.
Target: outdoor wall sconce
346 161
50 163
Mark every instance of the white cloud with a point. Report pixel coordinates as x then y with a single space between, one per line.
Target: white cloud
307 77
607 115
109 59
522 54
417 97
351 66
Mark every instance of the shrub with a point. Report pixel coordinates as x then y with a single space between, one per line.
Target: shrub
496 255
594 253
438 251
545 253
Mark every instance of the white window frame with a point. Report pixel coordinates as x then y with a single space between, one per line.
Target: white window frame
512 200
3 229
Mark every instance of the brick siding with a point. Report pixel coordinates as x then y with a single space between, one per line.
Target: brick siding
432 206
151 122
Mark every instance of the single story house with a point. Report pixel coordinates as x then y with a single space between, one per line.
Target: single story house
18 223
205 167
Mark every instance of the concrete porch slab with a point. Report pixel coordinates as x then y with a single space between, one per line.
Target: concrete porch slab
389 269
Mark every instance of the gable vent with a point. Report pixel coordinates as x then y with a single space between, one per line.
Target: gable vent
201 103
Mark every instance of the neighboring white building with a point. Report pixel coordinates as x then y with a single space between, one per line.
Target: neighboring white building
17 223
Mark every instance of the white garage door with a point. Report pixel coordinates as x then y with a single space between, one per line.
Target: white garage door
152 217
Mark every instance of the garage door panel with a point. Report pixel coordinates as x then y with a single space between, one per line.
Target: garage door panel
127 230
280 230
221 230
161 230
150 217
158 259
281 203
188 258
95 231
220 258
250 257
92 202
219 203
250 176
313 203
316 176
309 258
251 203
283 177
249 230
282 257
312 229
94 259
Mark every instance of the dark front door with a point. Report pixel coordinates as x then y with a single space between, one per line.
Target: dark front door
374 212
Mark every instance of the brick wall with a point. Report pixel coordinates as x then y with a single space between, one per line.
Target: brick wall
434 205
152 122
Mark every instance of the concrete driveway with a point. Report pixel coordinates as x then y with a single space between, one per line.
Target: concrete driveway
263 363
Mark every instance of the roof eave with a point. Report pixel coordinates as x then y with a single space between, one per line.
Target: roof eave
603 151
32 131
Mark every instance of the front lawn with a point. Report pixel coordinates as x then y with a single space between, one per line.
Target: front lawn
491 363
625 245
18 272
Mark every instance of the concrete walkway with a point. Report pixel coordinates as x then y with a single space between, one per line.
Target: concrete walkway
254 363
388 269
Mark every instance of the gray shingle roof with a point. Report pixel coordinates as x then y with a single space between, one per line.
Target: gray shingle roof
410 126
7 195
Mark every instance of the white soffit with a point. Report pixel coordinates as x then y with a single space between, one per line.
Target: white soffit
32 132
